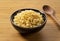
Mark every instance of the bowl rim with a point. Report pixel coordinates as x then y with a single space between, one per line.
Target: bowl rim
27 9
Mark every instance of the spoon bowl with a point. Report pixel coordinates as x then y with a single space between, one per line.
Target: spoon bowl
47 9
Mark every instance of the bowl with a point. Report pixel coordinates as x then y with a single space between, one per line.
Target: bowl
27 30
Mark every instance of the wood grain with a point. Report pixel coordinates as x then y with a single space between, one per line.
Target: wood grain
50 32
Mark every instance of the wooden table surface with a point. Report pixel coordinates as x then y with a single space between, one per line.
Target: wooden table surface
50 32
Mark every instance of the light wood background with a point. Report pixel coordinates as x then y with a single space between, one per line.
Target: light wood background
50 32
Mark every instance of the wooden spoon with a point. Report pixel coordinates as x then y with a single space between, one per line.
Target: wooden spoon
48 10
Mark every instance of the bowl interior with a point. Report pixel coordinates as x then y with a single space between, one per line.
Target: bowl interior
18 11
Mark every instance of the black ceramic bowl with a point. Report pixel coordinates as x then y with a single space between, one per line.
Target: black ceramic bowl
28 30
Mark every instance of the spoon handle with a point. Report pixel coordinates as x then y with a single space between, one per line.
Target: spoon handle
55 20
